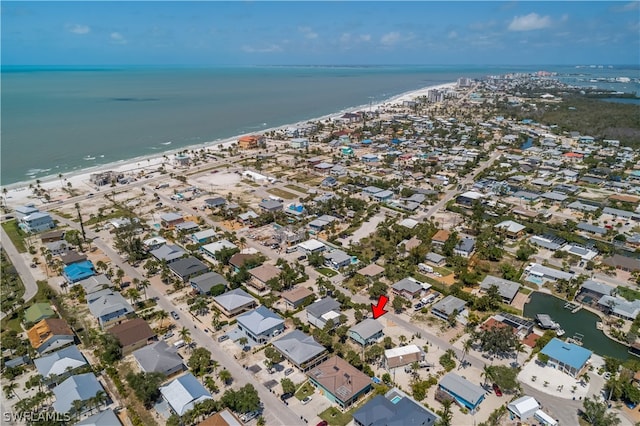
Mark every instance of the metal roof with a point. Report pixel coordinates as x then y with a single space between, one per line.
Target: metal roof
567 353
367 328
260 320
80 387
298 347
58 362
157 357
183 393
462 388
234 299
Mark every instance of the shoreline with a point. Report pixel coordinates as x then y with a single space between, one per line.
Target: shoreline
20 190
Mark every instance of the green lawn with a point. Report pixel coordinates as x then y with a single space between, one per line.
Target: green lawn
12 323
335 417
16 235
282 193
327 272
628 293
525 290
296 188
305 390
442 271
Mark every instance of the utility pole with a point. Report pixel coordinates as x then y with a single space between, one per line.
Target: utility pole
84 236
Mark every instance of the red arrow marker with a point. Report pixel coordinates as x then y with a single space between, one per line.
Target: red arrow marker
378 310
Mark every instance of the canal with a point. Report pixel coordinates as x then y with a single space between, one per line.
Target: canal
583 322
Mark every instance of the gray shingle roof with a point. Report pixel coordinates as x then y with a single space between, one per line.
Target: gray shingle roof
449 304
321 307
380 411
103 418
107 303
157 357
598 287
188 266
208 280
507 289
298 347
168 252
407 284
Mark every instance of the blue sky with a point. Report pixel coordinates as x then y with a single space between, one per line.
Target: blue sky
337 33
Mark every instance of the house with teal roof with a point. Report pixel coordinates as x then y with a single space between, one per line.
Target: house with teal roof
79 271
566 357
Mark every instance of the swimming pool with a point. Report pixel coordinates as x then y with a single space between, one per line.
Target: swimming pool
535 280
396 399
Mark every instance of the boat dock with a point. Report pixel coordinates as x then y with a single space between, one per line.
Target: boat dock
573 307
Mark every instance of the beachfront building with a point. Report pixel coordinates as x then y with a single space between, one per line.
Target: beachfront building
462 390
566 357
36 222
251 141
299 143
301 350
394 408
340 382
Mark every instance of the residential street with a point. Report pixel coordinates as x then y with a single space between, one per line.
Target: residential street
21 265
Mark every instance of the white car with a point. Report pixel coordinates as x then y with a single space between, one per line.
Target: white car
306 400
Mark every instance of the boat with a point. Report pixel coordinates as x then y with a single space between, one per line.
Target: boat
599 325
545 322
559 332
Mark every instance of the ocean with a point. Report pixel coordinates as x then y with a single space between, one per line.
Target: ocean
62 120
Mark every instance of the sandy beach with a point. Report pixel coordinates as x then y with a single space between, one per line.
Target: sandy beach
19 193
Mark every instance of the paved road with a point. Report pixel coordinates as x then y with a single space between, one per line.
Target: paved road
275 412
23 269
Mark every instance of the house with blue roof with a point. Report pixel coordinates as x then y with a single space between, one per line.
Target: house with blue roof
394 408
79 271
183 393
81 387
463 391
566 357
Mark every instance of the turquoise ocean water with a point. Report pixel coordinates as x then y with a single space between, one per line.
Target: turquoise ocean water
57 120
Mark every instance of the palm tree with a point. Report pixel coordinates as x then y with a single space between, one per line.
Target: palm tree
519 347
225 376
101 266
10 389
243 341
214 365
77 405
134 295
466 346
101 397
145 284
487 373
163 315
210 384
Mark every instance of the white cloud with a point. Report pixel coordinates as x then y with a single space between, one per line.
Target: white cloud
452 35
529 22
117 38
389 39
365 37
631 6
79 29
272 48
308 32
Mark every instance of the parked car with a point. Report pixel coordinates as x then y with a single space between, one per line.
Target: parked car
306 400
247 417
223 338
496 389
286 396
418 306
288 371
167 335
323 423
175 315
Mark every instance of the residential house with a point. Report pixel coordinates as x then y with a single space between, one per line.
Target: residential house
301 350
524 407
95 283
186 227
297 296
183 393
170 220
382 196
566 357
21 212
439 238
203 237
371 271
234 302
624 263
448 306
212 248
311 246
239 260
251 141
59 365
81 387
159 357
408 288
187 267
323 310
465 247
591 291
539 274
465 393
394 408
506 288
321 222
366 332
511 229
340 382
78 271
261 275
109 307
153 243
270 206
36 222
101 418
215 202
402 355
299 143
261 324
50 334
337 259
435 259
205 283
71 256
37 312
132 335
58 247
468 198
620 307
168 253
592 229
51 236
222 418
